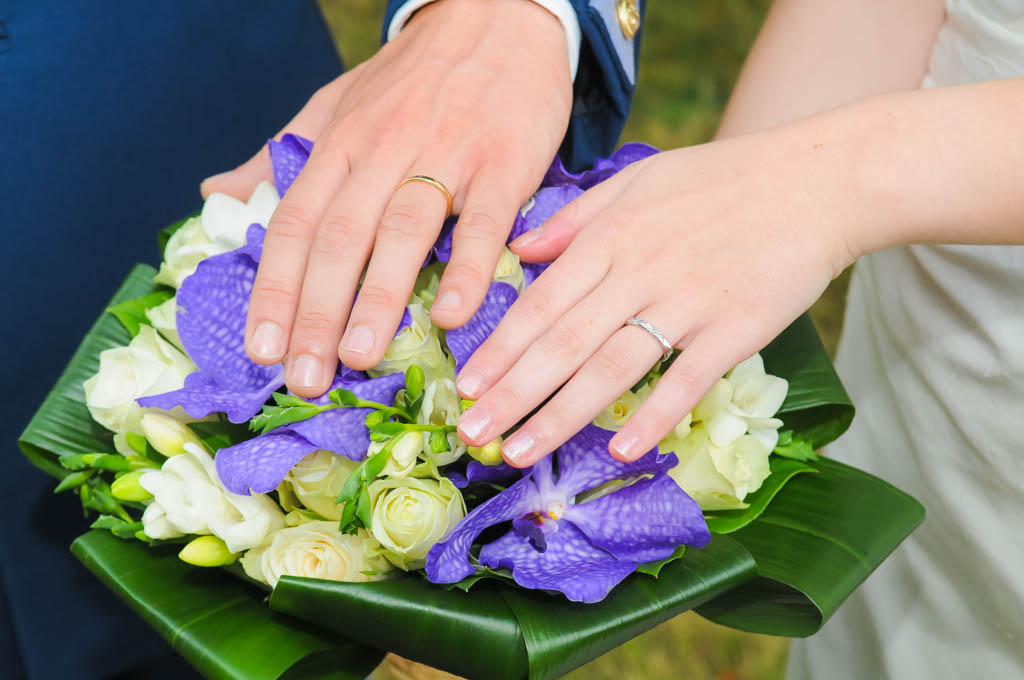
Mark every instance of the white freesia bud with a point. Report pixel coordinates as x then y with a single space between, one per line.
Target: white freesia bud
164 318
720 477
404 454
167 435
509 270
743 402
441 406
226 219
149 365
418 343
194 501
316 481
314 550
410 515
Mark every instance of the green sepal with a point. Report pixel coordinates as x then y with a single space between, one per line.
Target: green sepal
790 446
137 442
439 442
132 313
374 465
373 418
75 479
363 507
654 568
350 488
387 429
343 397
283 399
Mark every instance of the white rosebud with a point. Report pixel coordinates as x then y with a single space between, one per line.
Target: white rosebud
164 318
167 435
193 501
720 477
619 411
316 481
149 365
441 406
226 219
410 515
743 402
418 343
186 248
509 270
314 550
404 456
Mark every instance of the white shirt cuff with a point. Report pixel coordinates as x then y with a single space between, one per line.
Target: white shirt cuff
560 8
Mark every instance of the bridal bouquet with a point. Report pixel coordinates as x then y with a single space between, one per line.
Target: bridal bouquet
365 514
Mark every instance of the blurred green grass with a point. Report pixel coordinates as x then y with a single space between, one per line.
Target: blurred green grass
691 54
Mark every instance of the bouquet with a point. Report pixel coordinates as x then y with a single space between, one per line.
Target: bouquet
364 513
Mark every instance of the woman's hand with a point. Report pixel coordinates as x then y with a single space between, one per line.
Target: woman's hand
718 246
474 94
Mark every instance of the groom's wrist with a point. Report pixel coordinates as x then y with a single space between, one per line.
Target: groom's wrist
560 9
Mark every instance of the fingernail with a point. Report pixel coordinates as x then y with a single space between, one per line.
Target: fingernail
517 447
470 384
359 340
527 238
306 371
450 301
267 340
625 444
474 423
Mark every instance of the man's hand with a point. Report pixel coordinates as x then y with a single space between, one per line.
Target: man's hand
474 94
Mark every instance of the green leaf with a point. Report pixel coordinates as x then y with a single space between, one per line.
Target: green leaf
167 232
219 434
343 397
216 621
107 522
795 448
654 568
75 479
783 470
282 399
363 507
132 313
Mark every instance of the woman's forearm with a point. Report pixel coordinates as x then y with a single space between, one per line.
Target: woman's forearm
943 165
813 55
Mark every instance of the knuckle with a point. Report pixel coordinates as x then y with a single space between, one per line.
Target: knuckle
566 341
535 304
376 296
273 291
315 322
465 271
290 222
509 397
338 235
613 363
479 225
401 222
684 377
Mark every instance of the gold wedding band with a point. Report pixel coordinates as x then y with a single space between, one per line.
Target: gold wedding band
434 183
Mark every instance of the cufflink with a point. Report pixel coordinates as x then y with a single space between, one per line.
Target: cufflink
628 14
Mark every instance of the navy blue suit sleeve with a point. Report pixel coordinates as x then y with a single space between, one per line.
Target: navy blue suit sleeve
604 84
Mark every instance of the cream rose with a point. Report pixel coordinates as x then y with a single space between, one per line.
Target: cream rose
189 497
720 477
508 270
316 481
418 343
410 515
221 227
314 550
149 365
164 318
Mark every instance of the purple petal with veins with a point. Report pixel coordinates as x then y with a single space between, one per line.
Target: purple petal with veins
584 462
603 168
448 560
487 474
464 340
212 305
546 203
571 564
443 246
532 270
642 522
287 158
259 464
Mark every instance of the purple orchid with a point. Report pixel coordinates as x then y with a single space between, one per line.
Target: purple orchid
604 168
259 464
464 340
580 550
478 472
212 304
288 157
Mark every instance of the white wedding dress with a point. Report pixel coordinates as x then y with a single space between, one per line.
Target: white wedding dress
933 356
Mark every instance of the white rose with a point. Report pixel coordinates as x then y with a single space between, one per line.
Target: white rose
410 515
619 411
164 318
509 270
720 477
441 406
427 282
221 227
226 219
316 481
743 402
313 550
149 365
418 343
193 501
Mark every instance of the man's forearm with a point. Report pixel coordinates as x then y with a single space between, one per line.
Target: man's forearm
813 55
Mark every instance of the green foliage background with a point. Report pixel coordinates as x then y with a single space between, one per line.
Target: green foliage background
691 55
